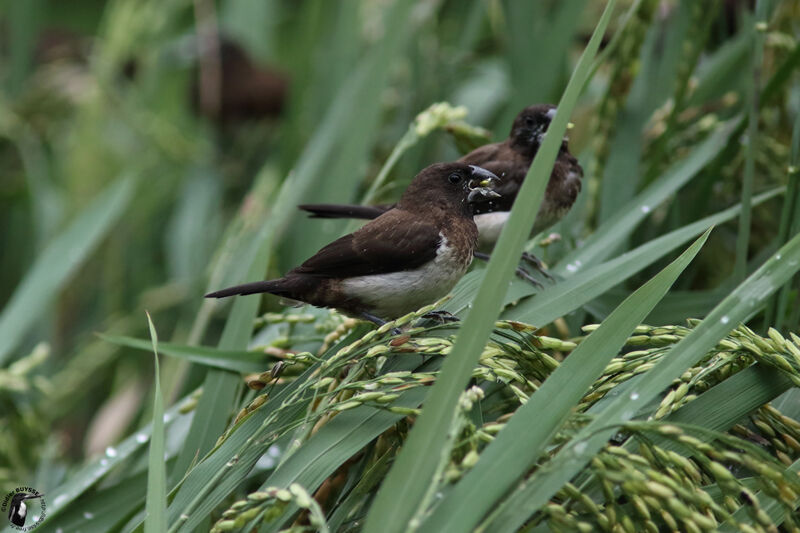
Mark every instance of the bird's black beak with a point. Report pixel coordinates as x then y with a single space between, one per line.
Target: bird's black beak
32 496
480 184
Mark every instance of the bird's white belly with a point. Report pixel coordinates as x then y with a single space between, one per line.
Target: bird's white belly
491 224
489 227
397 293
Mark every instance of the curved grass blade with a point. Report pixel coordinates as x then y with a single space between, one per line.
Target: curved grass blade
720 71
570 294
107 508
358 495
538 26
741 303
60 498
156 501
672 309
717 409
335 443
614 234
359 97
614 231
748 178
402 495
773 87
615 40
336 438
216 475
790 224
219 389
233 360
528 431
584 286
725 404
223 470
59 260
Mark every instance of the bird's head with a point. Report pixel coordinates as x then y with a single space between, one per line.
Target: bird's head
449 186
22 496
17 510
529 127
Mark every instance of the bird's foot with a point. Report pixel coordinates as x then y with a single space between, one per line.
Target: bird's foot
524 274
521 272
443 317
534 261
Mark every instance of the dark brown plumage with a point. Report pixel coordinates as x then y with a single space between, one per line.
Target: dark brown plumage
409 256
247 90
510 161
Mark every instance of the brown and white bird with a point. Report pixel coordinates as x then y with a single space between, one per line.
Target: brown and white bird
408 257
510 161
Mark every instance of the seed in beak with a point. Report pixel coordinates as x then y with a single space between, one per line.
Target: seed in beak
481 192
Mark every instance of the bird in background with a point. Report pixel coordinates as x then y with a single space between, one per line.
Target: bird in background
510 161
409 256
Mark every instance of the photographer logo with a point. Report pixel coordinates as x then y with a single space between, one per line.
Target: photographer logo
24 507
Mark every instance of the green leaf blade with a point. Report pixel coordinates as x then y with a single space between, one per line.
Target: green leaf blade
59 260
584 286
524 437
156 501
408 483
740 304
231 360
612 233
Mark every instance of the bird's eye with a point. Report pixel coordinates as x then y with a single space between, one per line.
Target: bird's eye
455 177
529 121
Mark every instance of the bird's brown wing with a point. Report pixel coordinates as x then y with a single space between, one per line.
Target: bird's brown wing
483 154
392 242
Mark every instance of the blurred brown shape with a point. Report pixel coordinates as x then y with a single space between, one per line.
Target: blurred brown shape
247 91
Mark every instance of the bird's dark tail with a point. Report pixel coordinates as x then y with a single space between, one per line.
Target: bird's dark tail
344 210
273 287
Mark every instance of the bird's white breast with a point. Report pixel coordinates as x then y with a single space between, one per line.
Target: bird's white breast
397 293
489 227
491 224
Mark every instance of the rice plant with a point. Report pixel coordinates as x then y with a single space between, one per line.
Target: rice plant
155 151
